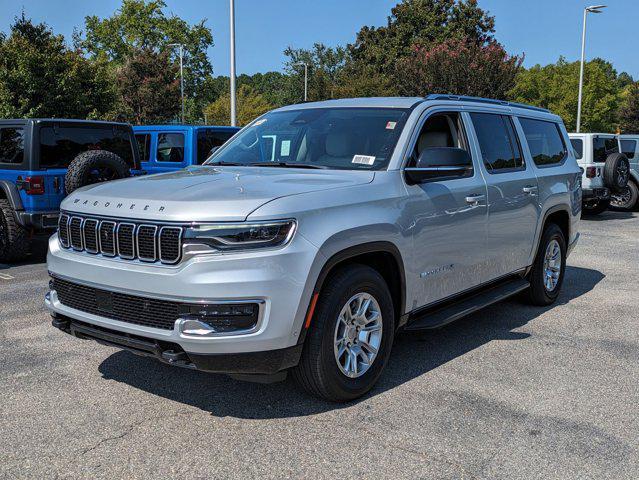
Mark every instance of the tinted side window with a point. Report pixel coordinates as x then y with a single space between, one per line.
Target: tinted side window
497 141
578 147
144 146
544 141
11 145
628 148
59 146
170 147
207 140
602 147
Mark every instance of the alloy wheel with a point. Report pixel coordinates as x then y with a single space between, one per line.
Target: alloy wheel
552 265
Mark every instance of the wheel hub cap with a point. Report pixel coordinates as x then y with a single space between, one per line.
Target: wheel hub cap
358 335
552 265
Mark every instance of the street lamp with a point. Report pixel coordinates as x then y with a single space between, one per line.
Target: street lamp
181 50
587 10
299 64
232 31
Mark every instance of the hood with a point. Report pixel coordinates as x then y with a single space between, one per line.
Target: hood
205 193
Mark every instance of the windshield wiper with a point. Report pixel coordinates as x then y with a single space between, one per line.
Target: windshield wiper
287 165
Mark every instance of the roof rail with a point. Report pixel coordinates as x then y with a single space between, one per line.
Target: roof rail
465 98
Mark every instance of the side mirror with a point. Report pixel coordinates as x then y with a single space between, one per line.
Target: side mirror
440 163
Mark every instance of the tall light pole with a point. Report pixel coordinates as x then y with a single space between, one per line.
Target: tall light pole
232 29
587 10
181 50
305 78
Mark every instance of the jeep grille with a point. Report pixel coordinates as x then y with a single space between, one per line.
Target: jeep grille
146 242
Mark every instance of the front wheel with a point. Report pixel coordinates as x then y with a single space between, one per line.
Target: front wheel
350 337
547 273
628 199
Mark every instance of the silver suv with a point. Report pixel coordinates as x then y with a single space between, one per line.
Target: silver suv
317 232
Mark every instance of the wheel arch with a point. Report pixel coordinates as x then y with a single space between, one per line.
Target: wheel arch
560 215
383 256
9 192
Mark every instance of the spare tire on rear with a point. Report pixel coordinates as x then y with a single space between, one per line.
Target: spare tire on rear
94 166
617 172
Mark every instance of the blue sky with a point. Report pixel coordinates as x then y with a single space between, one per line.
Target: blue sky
542 29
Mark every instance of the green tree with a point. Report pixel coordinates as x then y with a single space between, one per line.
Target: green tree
460 67
324 67
143 25
556 87
41 77
629 110
420 22
147 87
250 105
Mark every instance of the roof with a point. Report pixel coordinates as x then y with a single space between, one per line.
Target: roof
177 126
60 120
380 102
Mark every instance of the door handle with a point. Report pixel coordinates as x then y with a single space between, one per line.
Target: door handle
475 199
530 189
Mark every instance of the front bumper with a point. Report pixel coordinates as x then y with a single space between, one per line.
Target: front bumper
269 362
276 278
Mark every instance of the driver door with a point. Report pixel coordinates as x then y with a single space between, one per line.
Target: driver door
449 217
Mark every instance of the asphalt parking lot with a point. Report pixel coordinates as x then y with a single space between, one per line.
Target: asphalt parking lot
512 392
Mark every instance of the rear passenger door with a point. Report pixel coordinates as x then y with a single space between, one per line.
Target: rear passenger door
513 205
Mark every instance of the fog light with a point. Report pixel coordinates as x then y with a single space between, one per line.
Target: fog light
206 320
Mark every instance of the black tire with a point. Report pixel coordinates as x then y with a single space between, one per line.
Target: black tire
14 239
538 293
595 208
94 166
318 372
627 200
616 172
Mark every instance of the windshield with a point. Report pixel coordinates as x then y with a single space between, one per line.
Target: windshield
339 138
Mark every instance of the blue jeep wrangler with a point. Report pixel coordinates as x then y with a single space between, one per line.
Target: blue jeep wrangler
42 161
170 147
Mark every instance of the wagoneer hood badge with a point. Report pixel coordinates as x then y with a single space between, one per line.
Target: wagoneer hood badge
204 193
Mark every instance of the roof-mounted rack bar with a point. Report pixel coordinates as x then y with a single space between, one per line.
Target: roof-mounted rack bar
465 98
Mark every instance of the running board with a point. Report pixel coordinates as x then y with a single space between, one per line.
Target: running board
438 316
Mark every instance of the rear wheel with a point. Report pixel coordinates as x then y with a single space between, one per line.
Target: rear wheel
350 337
547 273
617 172
596 207
628 199
14 239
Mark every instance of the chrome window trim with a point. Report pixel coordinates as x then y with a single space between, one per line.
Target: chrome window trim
155 242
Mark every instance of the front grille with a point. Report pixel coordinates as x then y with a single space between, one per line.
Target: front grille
117 306
129 241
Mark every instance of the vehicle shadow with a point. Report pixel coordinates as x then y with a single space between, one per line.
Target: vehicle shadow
608 215
412 356
37 255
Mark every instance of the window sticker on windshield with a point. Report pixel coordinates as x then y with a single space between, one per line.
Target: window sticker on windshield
285 149
391 125
260 122
363 160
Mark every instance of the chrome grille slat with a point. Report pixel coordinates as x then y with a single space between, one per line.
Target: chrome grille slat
90 235
146 242
63 230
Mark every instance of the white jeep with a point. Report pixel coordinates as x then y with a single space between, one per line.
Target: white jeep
605 169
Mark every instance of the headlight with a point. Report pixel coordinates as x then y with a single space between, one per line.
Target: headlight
241 236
